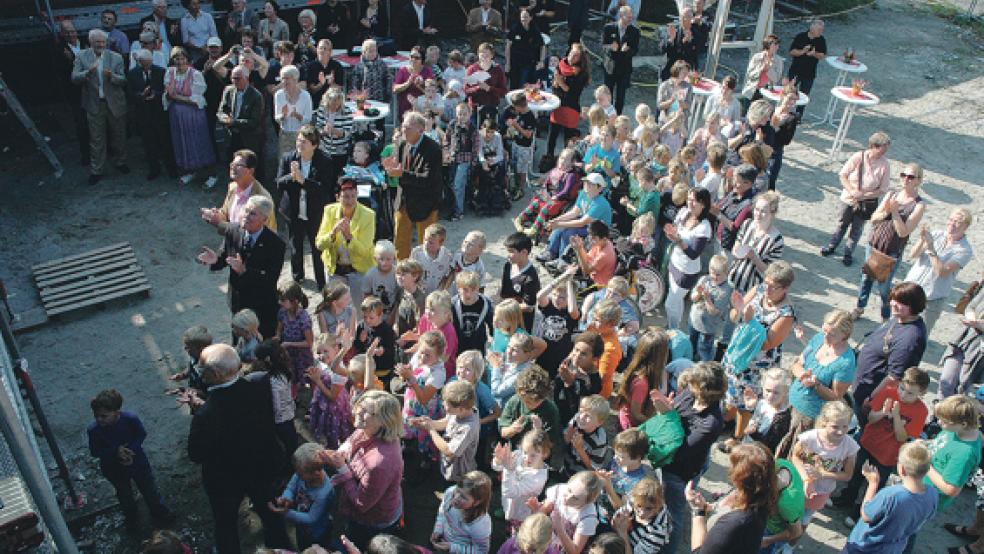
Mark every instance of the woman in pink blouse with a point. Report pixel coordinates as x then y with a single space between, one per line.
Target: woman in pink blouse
484 96
369 468
409 81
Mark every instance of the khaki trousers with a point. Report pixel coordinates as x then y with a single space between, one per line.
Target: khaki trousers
403 234
100 123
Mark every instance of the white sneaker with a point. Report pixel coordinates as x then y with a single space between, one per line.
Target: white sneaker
210 183
186 178
849 521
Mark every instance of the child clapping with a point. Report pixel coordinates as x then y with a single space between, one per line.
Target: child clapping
308 496
524 474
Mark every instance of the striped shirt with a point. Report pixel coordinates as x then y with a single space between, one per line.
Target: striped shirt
649 538
342 121
464 537
769 247
595 444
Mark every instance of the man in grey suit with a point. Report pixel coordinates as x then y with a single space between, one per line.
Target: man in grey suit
101 73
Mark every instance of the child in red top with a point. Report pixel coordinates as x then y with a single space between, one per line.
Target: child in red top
896 415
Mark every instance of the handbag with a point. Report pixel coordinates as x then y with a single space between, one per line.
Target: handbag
879 265
865 208
972 291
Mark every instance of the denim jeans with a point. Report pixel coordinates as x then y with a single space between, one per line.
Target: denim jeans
676 503
883 288
775 164
703 344
460 174
560 237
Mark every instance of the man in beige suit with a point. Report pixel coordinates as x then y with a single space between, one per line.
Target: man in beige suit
484 24
101 73
243 186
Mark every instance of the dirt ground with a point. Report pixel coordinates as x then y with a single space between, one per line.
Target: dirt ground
927 72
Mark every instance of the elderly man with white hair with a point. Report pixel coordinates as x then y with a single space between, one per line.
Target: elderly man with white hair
145 87
101 73
254 255
233 437
167 29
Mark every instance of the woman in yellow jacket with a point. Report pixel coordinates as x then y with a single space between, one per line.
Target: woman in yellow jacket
346 237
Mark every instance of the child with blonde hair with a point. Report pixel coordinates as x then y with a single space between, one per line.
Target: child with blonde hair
469 258
825 455
380 280
506 368
586 436
433 257
673 133
246 334
711 300
643 117
437 317
597 121
330 418
423 377
574 503
956 449
644 521
524 474
470 366
532 537
362 378
507 320
459 443
603 99
661 160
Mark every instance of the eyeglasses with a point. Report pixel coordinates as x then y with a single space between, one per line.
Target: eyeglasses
415 57
908 176
235 165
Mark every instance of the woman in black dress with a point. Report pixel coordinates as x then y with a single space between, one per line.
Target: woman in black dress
573 74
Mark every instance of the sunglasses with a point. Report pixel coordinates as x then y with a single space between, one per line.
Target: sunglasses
908 176
415 57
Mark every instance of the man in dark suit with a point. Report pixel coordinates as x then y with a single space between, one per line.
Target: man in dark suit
417 23
168 29
234 438
621 43
254 255
417 162
304 173
241 110
145 87
336 20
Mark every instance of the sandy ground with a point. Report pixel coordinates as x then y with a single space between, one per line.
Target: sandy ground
927 72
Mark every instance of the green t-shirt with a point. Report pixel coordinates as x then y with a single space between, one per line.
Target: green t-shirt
789 505
547 411
387 151
954 459
648 203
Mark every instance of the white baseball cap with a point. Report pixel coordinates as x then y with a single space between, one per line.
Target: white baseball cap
595 178
214 41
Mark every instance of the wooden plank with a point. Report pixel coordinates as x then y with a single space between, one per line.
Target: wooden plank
80 287
78 256
25 321
82 262
102 268
94 294
99 300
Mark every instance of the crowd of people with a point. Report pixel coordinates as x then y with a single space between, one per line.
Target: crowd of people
407 368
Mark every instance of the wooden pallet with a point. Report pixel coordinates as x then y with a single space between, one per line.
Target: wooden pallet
89 279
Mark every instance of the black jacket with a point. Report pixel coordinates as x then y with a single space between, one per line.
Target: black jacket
317 186
136 83
233 437
412 34
173 28
622 60
421 182
255 288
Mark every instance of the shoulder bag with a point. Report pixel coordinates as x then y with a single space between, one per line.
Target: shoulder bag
866 207
972 291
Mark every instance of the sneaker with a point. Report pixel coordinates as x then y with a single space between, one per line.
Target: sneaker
848 259
849 521
186 178
456 217
826 251
210 183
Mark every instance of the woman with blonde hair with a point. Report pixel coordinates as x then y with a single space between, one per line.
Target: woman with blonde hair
333 120
758 244
184 100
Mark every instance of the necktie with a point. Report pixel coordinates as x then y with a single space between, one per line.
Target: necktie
147 77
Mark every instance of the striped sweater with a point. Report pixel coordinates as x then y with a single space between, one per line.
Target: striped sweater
342 120
463 537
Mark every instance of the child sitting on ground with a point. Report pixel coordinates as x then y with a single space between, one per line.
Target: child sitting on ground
459 443
524 474
586 436
433 257
116 438
463 523
308 496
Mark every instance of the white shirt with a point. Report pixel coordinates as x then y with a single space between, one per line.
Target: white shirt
99 75
485 16
302 199
680 260
420 14
162 33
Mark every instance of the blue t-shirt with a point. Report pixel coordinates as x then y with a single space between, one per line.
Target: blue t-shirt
895 514
680 346
310 505
612 156
806 400
596 208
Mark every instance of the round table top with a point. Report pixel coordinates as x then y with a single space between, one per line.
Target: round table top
773 94
841 65
846 95
360 117
548 101
705 87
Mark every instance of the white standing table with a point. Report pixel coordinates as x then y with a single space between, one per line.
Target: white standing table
851 103
773 94
546 103
843 70
702 89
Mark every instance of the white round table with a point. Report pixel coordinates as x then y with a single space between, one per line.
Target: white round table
702 90
851 104
547 103
774 93
843 70
360 117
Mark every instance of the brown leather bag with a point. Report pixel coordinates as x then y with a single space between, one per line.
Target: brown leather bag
879 265
972 291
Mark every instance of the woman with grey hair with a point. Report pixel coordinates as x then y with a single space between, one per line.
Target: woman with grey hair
307 38
291 107
334 121
371 74
184 100
369 468
756 127
939 256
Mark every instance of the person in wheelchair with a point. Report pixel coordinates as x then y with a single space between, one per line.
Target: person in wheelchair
597 262
365 170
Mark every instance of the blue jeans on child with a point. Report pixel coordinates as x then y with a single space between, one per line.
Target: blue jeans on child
560 237
883 288
460 173
703 345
